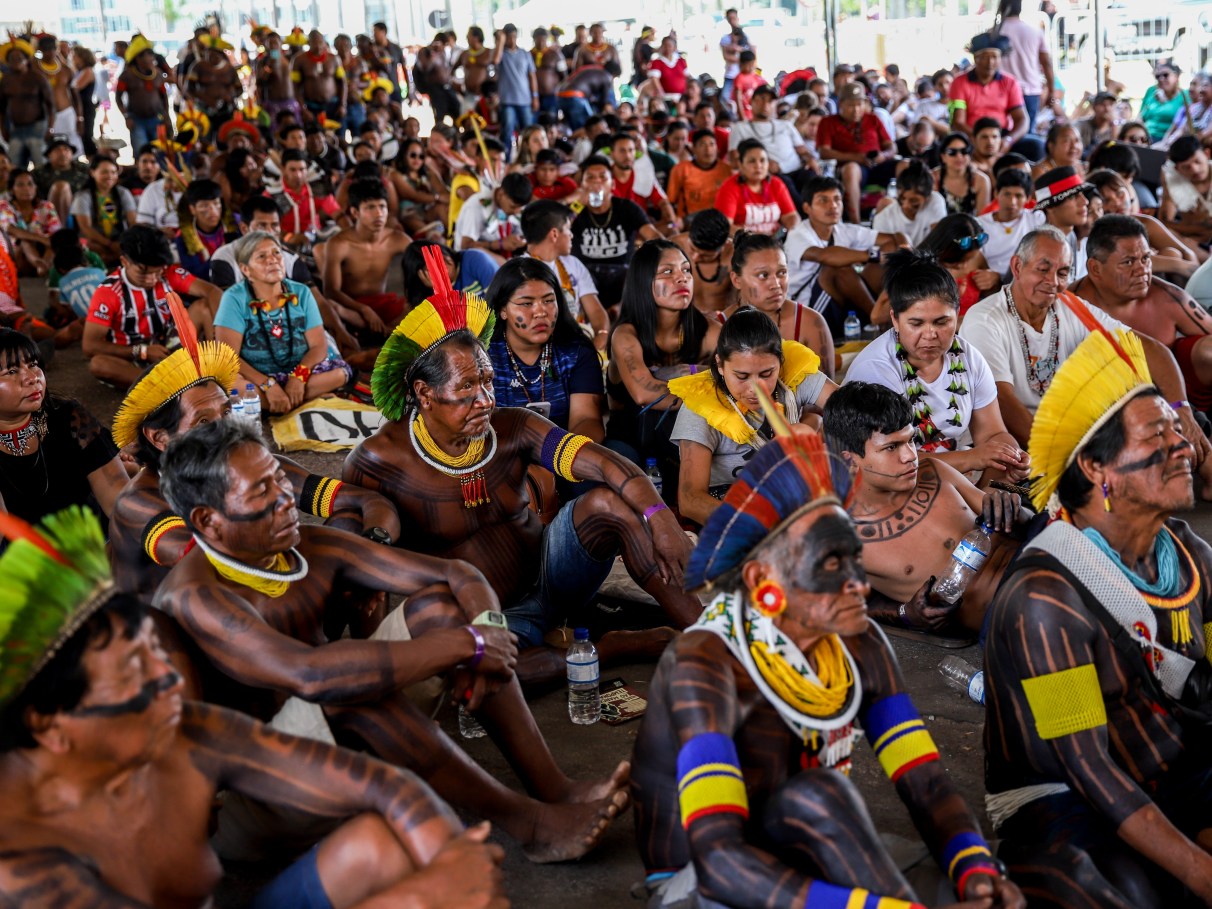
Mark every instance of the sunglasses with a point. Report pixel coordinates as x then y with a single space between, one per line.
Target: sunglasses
967 243
1160 76
957 151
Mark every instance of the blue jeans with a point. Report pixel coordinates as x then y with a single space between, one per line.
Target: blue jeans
298 887
514 119
576 112
143 130
355 116
568 578
1031 105
26 144
549 104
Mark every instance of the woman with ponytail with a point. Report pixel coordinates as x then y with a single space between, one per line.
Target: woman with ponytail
946 381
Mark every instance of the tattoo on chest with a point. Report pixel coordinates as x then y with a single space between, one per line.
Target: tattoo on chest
921 500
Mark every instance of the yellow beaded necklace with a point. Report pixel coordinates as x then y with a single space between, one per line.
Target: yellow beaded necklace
823 698
467 468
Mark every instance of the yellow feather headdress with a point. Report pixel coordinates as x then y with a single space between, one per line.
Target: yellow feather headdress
138 44
1092 385
15 43
196 362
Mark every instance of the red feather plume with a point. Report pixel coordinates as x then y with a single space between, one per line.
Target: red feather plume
185 328
445 299
1078 308
14 528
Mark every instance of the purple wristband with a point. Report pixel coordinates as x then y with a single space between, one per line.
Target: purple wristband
653 509
479 639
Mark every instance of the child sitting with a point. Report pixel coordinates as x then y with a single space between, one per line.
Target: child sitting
545 179
75 273
916 208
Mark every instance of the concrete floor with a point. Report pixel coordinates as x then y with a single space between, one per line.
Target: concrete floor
608 874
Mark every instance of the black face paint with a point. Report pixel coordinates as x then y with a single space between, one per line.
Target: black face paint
1158 457
831 536
250 517
135 705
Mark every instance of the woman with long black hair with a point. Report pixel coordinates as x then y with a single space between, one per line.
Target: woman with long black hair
658 336
103 210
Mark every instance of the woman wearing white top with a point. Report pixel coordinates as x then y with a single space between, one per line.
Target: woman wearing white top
947 382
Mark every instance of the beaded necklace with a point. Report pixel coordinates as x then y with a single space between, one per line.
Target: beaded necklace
1039 373
467 468
18 440
273 582
519 379
273 330
925 434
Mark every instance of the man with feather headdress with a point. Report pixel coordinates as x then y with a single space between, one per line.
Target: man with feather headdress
741 769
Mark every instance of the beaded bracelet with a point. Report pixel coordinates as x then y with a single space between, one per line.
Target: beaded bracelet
302 373
480 644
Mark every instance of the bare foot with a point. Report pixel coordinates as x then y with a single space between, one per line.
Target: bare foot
590 791
567 831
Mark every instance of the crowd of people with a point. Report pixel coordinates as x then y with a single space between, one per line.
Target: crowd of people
775 345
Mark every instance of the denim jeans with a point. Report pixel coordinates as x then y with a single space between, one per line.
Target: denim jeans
26 144
143 130
514 119
576 111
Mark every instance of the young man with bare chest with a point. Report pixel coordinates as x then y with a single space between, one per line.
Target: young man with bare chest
708 246
319 79
274 88
474 62
455 466
213 83
256 597
141 93
69 118
911 515
27 106
1120 282
357 260
550 68
108 778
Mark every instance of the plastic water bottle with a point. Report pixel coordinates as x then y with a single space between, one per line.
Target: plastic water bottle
892 189
252 406
584 699
852 328
963 676
237 405
966 561
653 473
469 726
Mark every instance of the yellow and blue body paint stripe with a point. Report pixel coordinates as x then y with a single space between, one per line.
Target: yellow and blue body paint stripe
898 736
709 778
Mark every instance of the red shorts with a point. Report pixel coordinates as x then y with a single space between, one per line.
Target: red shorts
388 307
1199 394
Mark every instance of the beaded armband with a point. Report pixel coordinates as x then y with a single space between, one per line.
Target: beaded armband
898 736
318 495
823 895
155 530
966 854
560 449
1066 702
709 778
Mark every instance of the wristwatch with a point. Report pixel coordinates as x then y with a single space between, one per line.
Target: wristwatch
873 254
267 384
377 535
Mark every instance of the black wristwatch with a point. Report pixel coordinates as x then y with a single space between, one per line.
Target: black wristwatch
377 535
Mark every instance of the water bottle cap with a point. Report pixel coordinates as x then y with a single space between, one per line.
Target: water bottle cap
852 313
580 634
236 393
651 462
248 386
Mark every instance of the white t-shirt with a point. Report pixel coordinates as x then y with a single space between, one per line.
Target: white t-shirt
991 329
780 138
480 220
877 363
578 276
1004 238
803 238
891 219
155 208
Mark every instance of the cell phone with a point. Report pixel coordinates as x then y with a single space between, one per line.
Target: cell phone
542 408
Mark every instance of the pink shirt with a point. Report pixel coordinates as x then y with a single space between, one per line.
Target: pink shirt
1022 60
995 100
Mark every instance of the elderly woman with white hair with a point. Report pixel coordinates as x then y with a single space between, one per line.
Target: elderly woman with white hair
274 325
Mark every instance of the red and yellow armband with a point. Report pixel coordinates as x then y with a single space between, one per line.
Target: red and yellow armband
560 449
823 895
318 495
709 778
154 532
898 736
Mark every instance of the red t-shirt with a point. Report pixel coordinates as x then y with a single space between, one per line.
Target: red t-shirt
300 209
743 87
759 212
627 191
561 189
132 315
673 78
868 135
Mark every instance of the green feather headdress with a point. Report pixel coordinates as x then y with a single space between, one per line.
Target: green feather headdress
423 330
52 580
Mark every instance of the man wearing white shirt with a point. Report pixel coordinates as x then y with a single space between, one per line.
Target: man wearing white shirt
1010 221
1025 331
158 205
489 219
547 228
917 207
784 145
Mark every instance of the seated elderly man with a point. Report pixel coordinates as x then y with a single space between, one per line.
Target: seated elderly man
185 390
95 738
911 514
1121 282
1096 759
741 766
255 596
455 467
1027 329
